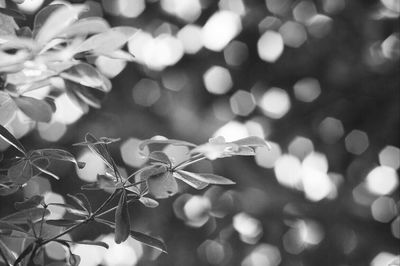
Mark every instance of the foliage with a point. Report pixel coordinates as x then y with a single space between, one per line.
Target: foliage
318 77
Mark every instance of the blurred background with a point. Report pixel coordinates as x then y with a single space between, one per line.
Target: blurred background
318 79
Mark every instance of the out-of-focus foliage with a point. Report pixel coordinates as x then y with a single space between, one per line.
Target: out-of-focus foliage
319 78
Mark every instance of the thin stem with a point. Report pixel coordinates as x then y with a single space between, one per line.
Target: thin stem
105 203
114 208
90 218
187 163
65 232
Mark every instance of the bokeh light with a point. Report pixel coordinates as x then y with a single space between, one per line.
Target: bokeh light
293 34
383 259
190 36
263 255
248 227
304 11
146 92
390 156
52 131
267 158
217 80
288 171
236 53
300 147
275 103
188 10
94 165
242 103
356 142
220 29
383 209
131 154
382 180
270 46
307 89
330 130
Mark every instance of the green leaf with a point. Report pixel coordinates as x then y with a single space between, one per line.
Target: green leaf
7 253
161 157
21 172
191 181
208 178
24 253
122 220
38 110
71 209
43 15
8 108
58 21
22 217
6 226
174 142
252 141
82 201
108 223
9 138
107 42
7 186
120 54
63 222
148 202
92 243
33 201
100 149
57 154
83 74
163 185
12 13
84 27
149 241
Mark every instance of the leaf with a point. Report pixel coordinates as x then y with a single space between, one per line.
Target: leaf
122 222
24 253
100 149
8 108
191 181
82 201
209 178
21 172
85 26
58 21
7 186
174 142
90 96
71 209
162 185
57 154
33 201
121 55
12 13
11 227
252 141
83 74
43 15
149 241
107 42
63 222
6 252
21 217
9 138
161 157
93 243
108 223
38 110
148 202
